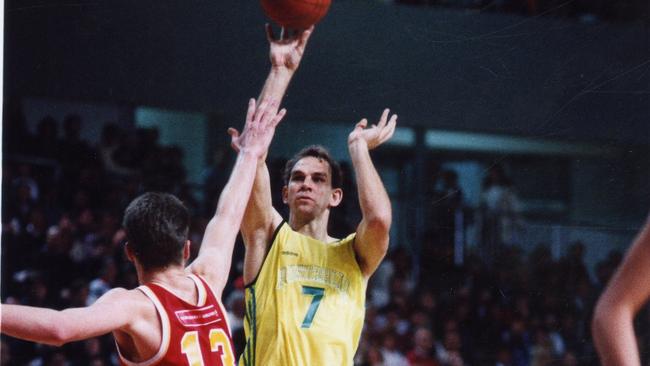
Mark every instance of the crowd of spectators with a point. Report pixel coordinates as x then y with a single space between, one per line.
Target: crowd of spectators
519 310
62 205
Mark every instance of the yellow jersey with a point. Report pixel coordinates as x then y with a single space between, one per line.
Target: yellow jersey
307 304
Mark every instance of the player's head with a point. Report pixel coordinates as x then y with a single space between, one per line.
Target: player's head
156 227
312 181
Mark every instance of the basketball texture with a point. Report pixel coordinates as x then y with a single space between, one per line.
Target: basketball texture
295 14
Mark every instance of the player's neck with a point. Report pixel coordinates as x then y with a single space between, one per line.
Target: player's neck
168 275
315 227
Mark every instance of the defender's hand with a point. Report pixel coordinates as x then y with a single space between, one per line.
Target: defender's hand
259 128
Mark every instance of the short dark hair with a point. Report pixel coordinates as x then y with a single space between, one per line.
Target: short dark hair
157 226
320 153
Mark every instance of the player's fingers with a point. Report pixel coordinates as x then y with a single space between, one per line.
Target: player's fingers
278 117
384 118
392 122
270 112
269 33
234 134
234 146
384 134
250 112
362 124
266 113
388 132
261 109
283 33
304 37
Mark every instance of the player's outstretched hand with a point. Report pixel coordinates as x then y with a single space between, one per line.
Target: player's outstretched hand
258 131
376 134
286 52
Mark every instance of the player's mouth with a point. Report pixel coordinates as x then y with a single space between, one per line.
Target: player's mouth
304 198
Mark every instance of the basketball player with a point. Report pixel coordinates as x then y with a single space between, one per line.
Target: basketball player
627 291
305 290
176 316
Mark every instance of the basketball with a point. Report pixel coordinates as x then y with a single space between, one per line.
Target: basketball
296 14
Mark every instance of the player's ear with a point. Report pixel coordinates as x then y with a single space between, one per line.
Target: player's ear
129 253
285 195
336 197
187 250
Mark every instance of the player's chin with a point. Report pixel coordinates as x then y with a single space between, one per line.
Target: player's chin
305 208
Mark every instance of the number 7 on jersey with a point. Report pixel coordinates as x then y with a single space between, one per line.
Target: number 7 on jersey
317 293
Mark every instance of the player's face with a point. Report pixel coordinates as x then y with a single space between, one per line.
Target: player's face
309 190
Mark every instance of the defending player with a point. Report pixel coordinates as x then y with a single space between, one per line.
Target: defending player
305 293
176 316
627 291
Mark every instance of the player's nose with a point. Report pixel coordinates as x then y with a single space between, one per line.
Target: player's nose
307 183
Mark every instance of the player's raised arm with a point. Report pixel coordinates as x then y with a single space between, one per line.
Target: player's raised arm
627 291
261 219
215 255
285 54
371 242
56 327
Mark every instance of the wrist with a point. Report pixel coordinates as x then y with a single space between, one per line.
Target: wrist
357 143
250 154
281 71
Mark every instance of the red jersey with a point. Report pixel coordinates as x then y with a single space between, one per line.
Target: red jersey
193 335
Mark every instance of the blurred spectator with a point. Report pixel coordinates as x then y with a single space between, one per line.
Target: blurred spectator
75 154
499 212
5 354
390 352
112 140
46 142
423 352
24 178
449 350
102 284
541 353
446 204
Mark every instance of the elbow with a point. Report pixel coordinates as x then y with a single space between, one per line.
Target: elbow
60 335
599 319
608 314
56 338
57 343
379 230
380 223
602 312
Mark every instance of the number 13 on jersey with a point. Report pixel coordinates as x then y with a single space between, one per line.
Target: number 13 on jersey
219 343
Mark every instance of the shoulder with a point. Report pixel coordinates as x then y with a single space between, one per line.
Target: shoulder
122 293
127 309
283 232
134 301
117 294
